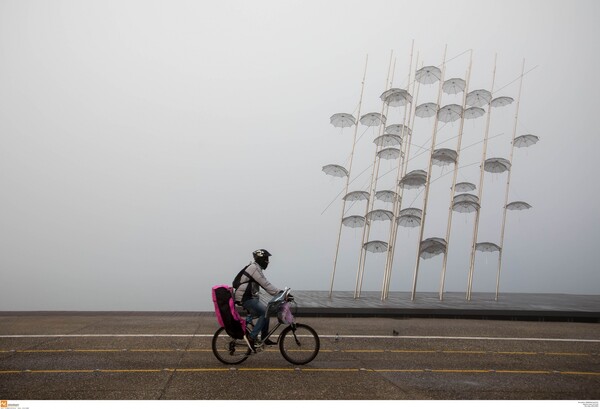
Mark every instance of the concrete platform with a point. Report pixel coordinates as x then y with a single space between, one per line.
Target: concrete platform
517 306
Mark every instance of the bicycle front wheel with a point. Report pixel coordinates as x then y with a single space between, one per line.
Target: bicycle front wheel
299 344
229 350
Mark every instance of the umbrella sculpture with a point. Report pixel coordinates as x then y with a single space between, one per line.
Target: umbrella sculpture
380 215
473 112
387 196
464 187
396 97
354 221
426 110
450 113
398 129
389 153
342 120
356 196
372 119
428 75
501 102
465 203
387 139
487 247
335 170
389 147
376 246
518 206
444 156
496 165
432 247
454 86
409 217
525 141
414 179
479 98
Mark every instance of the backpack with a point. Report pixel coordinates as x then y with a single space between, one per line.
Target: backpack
237 282
227 316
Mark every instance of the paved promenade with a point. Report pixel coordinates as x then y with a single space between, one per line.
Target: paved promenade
566 307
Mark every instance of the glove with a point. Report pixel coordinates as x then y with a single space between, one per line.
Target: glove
290 298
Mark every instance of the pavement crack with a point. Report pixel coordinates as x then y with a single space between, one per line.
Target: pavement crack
182 353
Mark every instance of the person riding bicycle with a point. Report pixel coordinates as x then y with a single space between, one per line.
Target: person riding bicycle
247 294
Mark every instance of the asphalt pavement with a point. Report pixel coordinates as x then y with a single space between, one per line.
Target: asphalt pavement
168 356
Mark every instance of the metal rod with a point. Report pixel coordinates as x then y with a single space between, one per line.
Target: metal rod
512 150
402 160
428 180
337 248
373 186
454 177
480 191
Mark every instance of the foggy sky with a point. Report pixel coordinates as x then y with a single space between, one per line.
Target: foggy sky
148 147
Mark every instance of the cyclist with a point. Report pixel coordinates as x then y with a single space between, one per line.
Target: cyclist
247 294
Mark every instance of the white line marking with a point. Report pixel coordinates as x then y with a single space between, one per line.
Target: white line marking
320 336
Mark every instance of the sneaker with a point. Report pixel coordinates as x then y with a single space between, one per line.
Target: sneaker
250 341
269 342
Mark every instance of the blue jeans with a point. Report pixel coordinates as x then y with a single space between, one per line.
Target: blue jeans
257 309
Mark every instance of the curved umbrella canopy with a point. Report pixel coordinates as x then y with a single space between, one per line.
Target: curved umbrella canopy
473 112
468 197
356 196
465 206
414 179
354 221
380 215
398 129
376 246
335 170
342 120
389 153
465 203
444 156
525 141
387 139
496 165
479 98
501 102
487 247
387 196
428 75
464 187
518 206
432 247
426 110
409 217
372 119
454 86
396 97
411 211
449 113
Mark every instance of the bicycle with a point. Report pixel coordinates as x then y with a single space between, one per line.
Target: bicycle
298 343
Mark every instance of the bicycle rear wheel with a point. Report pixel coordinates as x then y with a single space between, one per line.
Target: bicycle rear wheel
229 350
299 344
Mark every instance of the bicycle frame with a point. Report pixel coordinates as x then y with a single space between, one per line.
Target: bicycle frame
272 305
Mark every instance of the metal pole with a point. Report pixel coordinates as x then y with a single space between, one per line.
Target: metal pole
428 181
337 247
512 150
454 176
480 191
373 186
402 160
